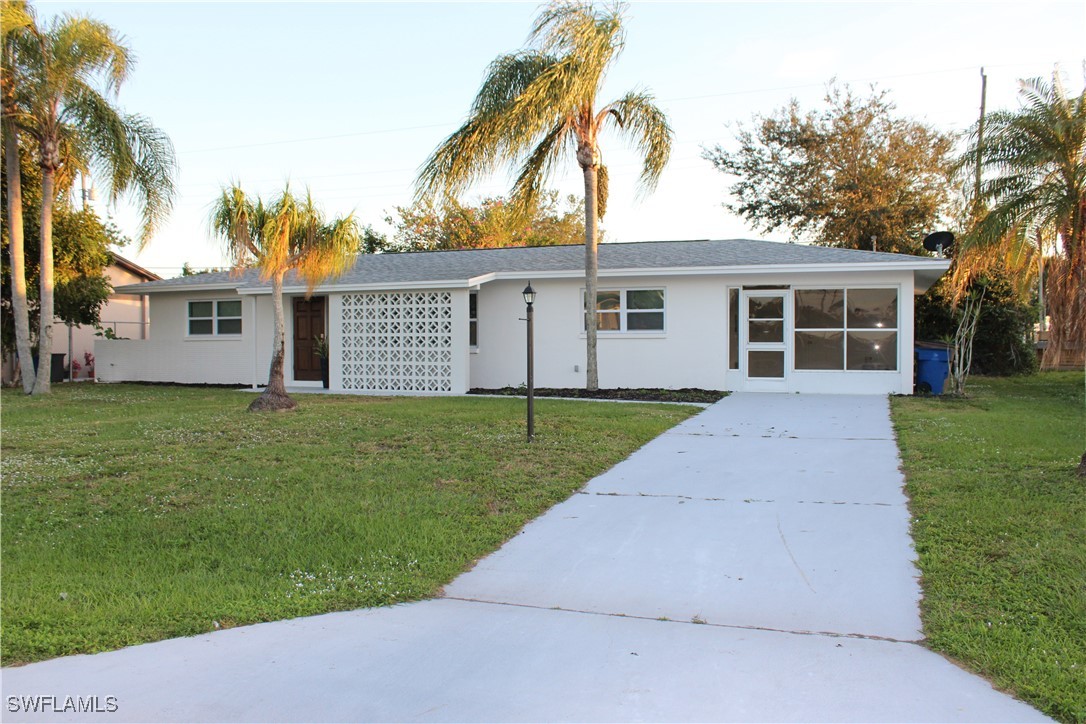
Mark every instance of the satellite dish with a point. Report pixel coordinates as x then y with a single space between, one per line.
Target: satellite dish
939 242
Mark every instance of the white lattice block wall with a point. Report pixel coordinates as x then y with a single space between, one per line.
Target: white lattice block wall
397 342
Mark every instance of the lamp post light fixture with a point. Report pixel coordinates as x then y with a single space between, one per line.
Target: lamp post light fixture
529 300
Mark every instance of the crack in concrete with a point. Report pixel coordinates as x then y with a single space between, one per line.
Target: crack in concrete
700 622
794 561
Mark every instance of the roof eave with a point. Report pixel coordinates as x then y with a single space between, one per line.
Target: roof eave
143 288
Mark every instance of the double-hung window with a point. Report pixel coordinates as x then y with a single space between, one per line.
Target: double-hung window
630 310
846 329
215 318
473 319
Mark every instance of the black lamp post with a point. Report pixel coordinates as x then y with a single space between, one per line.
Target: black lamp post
529 299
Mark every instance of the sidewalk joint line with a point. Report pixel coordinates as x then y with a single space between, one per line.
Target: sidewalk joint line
741 627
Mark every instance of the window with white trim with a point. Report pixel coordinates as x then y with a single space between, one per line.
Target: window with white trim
846 329
473 319
630 310
215 318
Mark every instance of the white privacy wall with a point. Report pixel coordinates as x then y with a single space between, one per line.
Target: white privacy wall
399 342
692 351
170 355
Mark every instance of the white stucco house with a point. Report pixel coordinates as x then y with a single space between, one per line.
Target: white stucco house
728 315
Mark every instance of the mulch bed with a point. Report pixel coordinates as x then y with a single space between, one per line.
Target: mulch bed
687 394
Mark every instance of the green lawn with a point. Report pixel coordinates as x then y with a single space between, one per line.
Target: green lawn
999 520
136 513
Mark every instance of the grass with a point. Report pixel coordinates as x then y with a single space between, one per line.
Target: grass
137 513
1000 529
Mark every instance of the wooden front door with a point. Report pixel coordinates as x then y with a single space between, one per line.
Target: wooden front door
308 326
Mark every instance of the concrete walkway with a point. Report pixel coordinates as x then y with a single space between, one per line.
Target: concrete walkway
754 563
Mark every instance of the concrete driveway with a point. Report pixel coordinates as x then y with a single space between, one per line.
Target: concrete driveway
753 563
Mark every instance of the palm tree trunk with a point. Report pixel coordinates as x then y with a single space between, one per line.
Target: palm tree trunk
591 266
18 263
45 325
274 398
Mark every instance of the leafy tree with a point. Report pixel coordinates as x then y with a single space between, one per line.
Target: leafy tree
538 104
843 176
188 271
1034 162
372 241
1001 346
425 226
73 124
289 234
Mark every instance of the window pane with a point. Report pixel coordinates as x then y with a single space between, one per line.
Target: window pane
733 329
200 326
606 301
820 309
200 309
872 350
645 320
765 364
229 326
766 308
607 322
872 308
820 351
473 305
645 299
473 333
230 309
762 331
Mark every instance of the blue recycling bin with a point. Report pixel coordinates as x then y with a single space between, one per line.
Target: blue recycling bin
932 369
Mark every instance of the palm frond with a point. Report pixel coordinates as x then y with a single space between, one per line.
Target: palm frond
540 165
238 222
501 127
637 118
134 157
83 48
525 97
59 102
1034 160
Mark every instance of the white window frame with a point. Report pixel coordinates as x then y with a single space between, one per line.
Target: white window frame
473 295
215 319
624 330
844 329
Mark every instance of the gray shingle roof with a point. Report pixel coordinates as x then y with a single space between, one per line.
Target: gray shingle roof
460 266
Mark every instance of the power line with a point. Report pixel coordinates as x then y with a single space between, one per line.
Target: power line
316 138
750 91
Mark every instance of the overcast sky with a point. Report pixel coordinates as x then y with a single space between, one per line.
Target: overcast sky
350 98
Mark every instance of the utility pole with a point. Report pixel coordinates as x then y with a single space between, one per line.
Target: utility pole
980 142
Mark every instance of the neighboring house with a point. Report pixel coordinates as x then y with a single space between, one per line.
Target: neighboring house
124 314
735 315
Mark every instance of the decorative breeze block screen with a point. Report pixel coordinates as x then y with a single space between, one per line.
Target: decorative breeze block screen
397 342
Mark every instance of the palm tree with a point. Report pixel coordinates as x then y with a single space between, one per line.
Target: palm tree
1035 158
289 234
536 105
15 18
73 124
